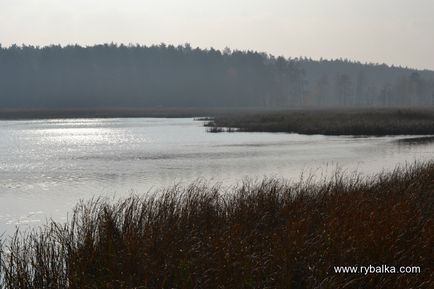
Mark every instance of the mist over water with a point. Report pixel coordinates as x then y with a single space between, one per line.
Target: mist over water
46 166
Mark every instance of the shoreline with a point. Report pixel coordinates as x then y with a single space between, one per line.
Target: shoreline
308 121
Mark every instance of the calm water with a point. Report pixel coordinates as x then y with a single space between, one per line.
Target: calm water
47 165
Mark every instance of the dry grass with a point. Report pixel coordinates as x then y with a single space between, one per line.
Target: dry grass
376 122
265 235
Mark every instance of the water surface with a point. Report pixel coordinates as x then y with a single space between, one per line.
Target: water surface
46 166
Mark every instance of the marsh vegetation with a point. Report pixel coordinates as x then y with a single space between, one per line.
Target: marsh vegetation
269 234
373 122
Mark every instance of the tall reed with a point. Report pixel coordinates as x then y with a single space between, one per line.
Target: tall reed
270 234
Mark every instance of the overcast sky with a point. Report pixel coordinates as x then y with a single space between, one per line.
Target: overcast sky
392 31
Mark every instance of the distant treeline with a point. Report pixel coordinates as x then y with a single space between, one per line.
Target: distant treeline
112 75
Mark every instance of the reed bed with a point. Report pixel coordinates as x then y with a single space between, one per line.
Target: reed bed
374 122
269 234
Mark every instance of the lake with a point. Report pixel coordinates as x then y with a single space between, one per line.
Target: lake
46 166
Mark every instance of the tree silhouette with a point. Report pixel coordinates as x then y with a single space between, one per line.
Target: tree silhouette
113 76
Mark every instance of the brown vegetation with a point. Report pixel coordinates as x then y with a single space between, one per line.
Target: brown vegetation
375 122
265 235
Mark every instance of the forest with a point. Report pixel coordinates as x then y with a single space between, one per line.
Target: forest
125 76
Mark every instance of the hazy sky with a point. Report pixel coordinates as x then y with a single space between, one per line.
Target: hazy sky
391 31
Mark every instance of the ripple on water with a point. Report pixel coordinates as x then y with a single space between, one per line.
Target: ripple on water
46 166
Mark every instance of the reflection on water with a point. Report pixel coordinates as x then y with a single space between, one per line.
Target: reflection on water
47 165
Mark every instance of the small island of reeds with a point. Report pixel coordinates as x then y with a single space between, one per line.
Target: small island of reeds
360 122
